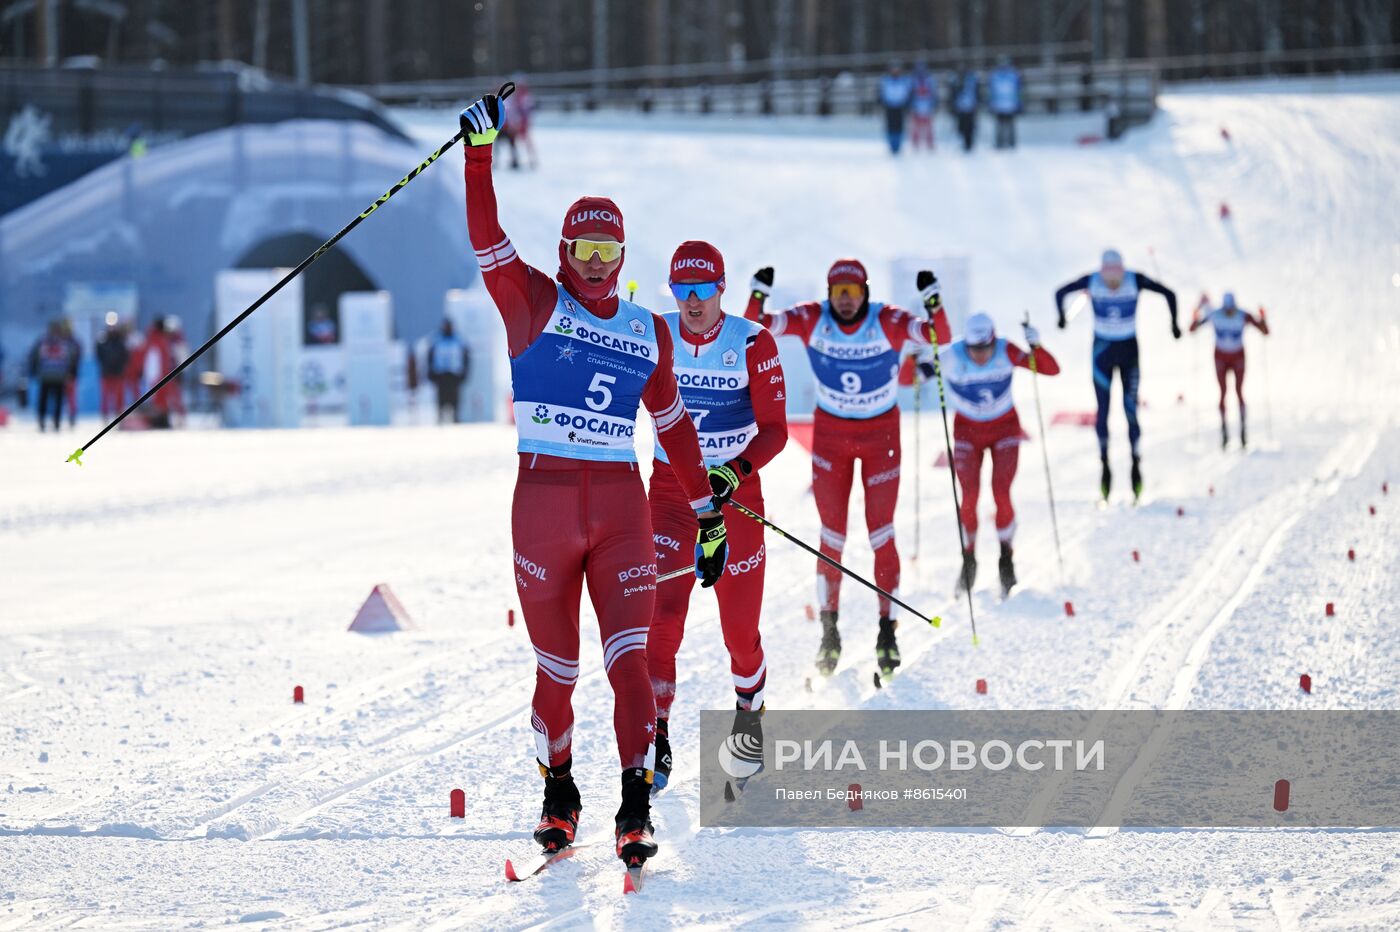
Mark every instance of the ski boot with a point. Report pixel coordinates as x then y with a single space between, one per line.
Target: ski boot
746 745
662 774
1137 479
1243 442
633 828
830 651
968 574
1105 477
886 648
1007 569
559 815
1224 435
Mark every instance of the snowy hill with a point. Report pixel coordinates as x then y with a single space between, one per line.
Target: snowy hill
163 601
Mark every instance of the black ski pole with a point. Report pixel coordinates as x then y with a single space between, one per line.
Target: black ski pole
918 456
1045 454
953 477
934 620
76 457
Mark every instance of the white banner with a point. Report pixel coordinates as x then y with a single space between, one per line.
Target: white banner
366 322
263 354
478 326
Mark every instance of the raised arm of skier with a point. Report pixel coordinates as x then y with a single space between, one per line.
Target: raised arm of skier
797 321
524 295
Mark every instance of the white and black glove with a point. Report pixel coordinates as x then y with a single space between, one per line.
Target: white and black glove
1032 335
483 120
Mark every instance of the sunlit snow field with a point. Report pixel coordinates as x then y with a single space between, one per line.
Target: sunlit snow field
161 602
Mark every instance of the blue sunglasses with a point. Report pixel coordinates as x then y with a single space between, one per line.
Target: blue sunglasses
702 290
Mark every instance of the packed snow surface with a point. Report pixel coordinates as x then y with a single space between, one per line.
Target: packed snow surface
163 600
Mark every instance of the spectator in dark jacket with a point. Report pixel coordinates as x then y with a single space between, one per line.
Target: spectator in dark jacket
51 364
112 360
967 90
447 370
70 387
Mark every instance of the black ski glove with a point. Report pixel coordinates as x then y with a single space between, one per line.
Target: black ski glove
711 550
1176 331
725 479
761 285
929 291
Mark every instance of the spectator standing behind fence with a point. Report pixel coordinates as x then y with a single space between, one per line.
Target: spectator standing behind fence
179 350
1004 98
922 106
967 89
51 364
896 89
113 357
516 130
152 361
447 370
70 387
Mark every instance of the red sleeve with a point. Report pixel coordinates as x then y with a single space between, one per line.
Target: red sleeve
797 321
674 428
1045 364
769 398
901 326
525 296
1258 323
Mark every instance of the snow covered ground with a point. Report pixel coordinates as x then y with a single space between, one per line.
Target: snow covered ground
161 603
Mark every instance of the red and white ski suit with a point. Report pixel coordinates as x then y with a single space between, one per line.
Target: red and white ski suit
1000 436
740 589
577 520
838 442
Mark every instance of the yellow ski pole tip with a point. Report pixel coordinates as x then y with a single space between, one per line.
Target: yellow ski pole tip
936 621
975 641
631 284
77 457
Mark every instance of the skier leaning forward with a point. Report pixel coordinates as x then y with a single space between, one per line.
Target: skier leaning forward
977 371
582 361
1113 293
853 346
732 385
1229 321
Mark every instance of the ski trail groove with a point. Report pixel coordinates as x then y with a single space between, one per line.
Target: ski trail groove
1158 636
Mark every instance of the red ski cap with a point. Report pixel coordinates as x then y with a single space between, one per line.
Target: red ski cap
695 260
847 270
592 215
